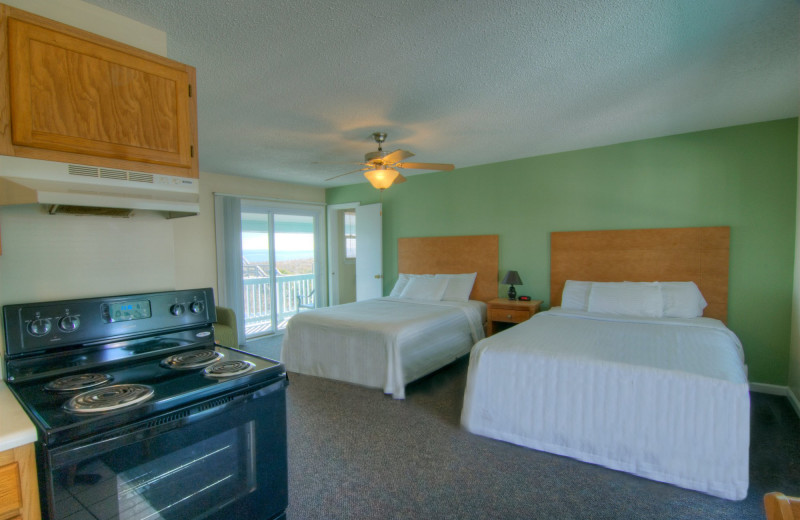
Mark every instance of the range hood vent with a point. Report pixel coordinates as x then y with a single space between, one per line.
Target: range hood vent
62 185
58 209
109 173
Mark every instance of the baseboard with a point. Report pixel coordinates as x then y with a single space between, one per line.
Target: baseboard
764 388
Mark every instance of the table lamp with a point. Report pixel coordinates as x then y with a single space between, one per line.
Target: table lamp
512 277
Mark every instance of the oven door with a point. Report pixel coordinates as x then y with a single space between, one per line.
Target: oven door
222 458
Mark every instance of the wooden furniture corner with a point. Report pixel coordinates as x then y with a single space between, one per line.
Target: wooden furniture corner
503 310
780 507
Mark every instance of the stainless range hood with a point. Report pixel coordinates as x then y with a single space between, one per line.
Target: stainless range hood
60 185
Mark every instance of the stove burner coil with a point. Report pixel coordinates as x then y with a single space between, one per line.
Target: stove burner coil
109 398
192 359
228 368
77 382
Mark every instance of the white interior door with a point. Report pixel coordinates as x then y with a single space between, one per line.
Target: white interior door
369 256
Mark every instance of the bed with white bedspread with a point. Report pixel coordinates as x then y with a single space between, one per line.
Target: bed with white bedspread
434 314
382 343
666 399
633 368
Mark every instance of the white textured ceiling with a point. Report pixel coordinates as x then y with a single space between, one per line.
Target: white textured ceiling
285 84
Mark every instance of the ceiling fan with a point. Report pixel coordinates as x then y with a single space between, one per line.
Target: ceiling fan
380 168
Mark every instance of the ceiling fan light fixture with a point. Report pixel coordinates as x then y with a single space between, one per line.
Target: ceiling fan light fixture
381 178
380 167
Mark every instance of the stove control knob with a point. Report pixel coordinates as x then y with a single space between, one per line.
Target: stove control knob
40 326
69 323
176 309
197 307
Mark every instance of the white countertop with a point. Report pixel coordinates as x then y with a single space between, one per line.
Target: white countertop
16 428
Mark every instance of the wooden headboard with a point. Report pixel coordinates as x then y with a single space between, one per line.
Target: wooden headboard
453 255
645 255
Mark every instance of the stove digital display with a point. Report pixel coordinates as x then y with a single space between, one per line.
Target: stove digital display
126 311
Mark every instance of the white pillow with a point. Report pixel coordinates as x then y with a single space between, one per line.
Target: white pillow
576 295
458 286
627 298
402 281
420 288
399 285
682 300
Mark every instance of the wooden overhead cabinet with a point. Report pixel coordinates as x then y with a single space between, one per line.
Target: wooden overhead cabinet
72 96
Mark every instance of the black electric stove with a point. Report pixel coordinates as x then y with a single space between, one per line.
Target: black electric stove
145 368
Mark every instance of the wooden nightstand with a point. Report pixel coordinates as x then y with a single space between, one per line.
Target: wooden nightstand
504 310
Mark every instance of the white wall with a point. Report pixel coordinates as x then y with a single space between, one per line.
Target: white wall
47 257
50 257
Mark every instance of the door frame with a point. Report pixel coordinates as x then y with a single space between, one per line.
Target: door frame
333 248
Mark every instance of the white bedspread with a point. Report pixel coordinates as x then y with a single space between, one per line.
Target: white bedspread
664 399
381 343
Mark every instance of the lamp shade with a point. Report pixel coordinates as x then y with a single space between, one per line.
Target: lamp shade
512 277
381 179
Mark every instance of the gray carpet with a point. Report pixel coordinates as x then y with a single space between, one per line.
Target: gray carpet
355 453
266 346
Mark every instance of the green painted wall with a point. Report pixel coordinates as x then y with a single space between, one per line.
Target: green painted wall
744 177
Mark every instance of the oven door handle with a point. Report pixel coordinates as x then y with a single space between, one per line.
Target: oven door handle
149 428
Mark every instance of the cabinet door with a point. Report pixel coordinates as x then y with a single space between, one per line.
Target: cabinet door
71 94
10 489
19 495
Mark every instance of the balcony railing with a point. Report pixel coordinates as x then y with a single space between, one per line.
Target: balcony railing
258 301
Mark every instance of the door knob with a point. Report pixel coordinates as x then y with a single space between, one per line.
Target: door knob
377 276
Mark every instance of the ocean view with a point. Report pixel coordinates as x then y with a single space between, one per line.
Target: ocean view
261 256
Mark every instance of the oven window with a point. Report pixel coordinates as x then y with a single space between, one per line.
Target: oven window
170 476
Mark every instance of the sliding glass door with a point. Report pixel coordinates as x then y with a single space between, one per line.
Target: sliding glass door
278 267
279 262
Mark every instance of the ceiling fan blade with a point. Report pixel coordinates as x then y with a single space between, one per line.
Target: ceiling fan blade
426 166
397 155
400 179
337 162
345 173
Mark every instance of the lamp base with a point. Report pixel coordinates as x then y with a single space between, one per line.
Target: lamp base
512 293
